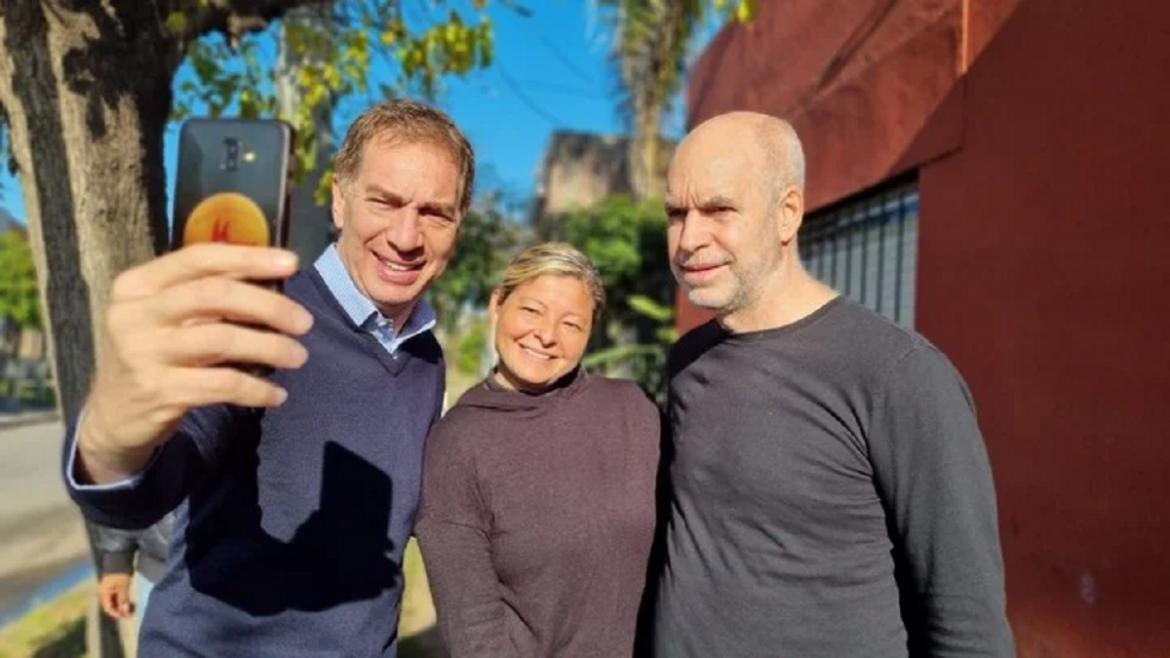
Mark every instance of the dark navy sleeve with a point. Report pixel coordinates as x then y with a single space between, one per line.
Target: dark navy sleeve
440 395
199 445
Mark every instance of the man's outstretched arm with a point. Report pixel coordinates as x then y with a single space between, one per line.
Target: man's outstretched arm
172 326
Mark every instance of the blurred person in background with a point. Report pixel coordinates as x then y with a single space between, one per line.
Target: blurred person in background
131 561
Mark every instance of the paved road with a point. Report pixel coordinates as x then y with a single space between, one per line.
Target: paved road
41 535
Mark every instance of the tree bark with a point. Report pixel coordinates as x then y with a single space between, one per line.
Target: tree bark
645 155
87 90
651 70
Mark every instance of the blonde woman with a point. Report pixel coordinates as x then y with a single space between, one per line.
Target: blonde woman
538 510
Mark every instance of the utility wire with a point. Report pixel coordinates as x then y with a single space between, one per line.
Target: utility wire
565 61
524 98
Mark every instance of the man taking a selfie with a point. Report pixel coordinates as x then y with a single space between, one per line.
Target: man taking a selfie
296 492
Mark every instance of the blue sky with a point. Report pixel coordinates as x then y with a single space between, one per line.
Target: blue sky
551 71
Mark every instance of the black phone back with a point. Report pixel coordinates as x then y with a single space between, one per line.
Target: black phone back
232 182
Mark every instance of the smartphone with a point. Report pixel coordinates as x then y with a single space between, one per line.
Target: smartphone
233 182
233 186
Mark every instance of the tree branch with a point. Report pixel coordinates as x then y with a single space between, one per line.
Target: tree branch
234 18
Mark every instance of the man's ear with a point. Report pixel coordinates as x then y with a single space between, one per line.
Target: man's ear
790 212
337 206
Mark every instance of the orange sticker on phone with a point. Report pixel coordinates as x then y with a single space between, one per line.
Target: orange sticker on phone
227 217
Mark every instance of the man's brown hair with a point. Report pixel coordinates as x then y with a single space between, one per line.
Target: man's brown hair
407 121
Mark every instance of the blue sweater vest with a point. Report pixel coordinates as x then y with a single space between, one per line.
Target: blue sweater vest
291 521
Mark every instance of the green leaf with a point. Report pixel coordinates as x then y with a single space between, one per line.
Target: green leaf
618 354
744 11
176 22
19 299
338 54
651 309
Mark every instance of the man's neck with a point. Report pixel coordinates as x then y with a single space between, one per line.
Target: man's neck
791 297
399 315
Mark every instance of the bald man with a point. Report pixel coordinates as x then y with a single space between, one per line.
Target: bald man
831 493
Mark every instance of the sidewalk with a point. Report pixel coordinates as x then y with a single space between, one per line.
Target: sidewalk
41 534
14 419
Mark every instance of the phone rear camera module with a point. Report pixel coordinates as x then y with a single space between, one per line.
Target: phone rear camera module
231 158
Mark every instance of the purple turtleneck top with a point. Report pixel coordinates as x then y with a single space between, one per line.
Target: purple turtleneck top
537 518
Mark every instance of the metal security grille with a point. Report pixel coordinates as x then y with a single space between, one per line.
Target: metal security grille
866 247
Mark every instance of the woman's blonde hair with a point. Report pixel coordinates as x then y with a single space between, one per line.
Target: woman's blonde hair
556 259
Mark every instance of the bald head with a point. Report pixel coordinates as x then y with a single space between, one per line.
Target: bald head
770 141
734 203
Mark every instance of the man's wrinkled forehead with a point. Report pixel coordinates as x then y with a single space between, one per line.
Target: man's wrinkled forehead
703 172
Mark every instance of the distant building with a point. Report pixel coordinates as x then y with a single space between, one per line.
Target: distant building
992 174
581 169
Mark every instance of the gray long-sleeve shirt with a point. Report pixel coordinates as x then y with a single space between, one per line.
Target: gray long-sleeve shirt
831 496
146 550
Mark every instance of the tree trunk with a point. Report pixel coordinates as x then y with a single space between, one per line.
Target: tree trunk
644 156
86 87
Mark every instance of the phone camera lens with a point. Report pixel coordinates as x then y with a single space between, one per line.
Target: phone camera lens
232 154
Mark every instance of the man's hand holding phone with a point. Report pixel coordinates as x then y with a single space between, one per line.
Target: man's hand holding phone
171 326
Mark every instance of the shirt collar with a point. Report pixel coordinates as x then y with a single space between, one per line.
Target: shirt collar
360 310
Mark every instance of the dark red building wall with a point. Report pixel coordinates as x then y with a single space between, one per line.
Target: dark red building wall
857 79
1044 272
1044 265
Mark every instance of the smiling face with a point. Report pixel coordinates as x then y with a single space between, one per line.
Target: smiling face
542 328
398 216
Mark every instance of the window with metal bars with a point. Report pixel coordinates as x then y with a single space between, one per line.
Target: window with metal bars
866 247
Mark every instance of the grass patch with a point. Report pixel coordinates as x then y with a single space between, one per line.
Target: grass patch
54 630
418 636
57 628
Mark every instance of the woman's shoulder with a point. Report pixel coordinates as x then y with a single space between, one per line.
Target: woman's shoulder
454 422
617 386
611 390
630 415
458 415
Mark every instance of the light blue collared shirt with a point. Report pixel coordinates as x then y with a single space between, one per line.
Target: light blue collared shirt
362 311
357 306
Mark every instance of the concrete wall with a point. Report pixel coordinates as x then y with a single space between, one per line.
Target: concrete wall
579 170
1041 142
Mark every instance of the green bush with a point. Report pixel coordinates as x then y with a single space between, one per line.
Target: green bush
470 348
